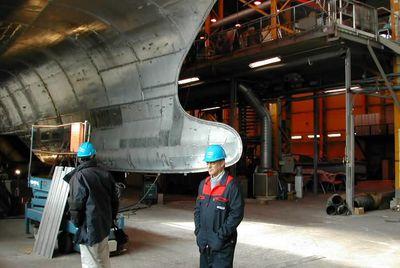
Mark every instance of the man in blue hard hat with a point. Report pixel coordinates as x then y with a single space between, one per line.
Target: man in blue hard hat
93 206
219 210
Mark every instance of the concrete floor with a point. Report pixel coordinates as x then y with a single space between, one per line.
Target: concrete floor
279 234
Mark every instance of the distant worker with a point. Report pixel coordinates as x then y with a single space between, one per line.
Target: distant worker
219 210
93 205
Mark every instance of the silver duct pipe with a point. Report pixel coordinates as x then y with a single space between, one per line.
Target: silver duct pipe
240 15
266 129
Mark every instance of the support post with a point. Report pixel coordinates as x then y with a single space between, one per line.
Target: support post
316 150
349 135
233 113
274 19
395 8
220 9
207 30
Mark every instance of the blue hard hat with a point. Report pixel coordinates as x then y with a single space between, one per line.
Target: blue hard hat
86 150
214 153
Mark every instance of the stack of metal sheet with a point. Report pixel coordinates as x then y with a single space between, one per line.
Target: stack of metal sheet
52 214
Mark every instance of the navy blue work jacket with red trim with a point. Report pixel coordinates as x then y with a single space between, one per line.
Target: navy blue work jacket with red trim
218 212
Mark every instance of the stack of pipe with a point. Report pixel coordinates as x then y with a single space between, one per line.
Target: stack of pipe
372 201
336 205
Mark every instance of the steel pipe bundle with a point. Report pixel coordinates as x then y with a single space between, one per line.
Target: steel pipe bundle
336 204
372 201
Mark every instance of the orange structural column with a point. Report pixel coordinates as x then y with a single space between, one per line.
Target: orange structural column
274 19
221 9
395 7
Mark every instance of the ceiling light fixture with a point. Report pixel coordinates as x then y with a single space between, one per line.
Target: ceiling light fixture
297 137
334 135
211 108
213 20
237 25
188 80
336 90
312 136
257 3
264 62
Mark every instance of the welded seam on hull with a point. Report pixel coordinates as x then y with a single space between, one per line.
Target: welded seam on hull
16 105
162 11
77 42
6 113
116 66
159 85
24 91
50 55
100 19
45 87
112 26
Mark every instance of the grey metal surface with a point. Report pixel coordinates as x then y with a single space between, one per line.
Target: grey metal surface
315 143
349 135
265 185
390 44
116 64
52 213
382 72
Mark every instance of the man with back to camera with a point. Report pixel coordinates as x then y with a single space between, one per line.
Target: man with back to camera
218 212
93 206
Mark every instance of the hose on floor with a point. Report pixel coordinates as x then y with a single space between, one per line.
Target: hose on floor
135 207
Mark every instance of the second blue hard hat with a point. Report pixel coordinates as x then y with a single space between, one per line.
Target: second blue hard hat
214 153
86 150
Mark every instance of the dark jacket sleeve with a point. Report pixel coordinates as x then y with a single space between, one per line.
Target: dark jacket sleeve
114 199
77 199
197 210
236 204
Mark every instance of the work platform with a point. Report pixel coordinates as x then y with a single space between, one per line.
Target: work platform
311 46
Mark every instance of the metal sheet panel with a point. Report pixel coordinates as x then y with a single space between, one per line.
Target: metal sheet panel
118 61
52 213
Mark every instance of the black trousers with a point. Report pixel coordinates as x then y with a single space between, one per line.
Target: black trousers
218 259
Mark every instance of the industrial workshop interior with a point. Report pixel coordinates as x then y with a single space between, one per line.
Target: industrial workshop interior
301 97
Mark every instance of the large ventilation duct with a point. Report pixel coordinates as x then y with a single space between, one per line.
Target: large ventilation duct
266 129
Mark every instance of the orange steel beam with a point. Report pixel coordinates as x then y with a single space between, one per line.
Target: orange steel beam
274 19
273 108
259 10
284 5
311 4
221 9
207 30
286 29
321 127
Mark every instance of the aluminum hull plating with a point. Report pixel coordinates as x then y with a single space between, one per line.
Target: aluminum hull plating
116 64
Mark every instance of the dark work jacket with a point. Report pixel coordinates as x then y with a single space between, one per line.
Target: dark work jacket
93 202
218 212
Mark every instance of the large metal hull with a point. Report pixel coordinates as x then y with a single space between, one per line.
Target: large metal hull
116 64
